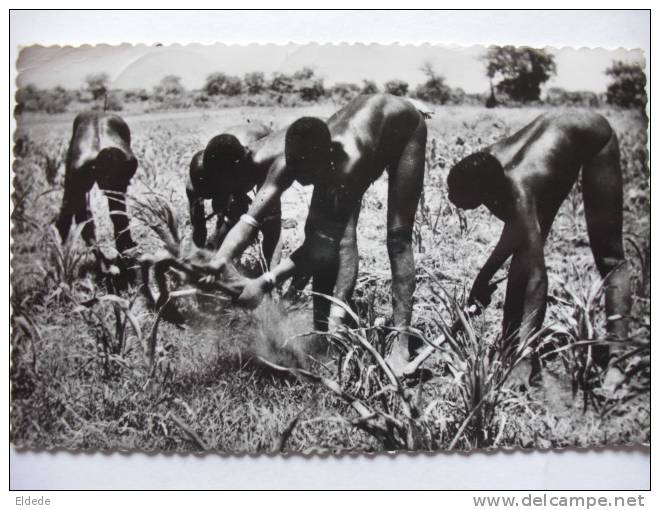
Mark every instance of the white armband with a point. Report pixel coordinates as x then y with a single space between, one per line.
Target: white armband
250 220
269 278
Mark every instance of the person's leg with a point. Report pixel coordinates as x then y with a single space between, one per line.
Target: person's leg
114 172
271 229
75 202
602 188
349 260
68 208
323 282
406 181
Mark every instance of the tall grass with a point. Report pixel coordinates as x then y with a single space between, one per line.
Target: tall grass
80 379
391 408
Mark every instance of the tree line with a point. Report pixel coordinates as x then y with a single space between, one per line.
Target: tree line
515 74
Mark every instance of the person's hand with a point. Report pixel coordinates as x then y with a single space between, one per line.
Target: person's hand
210 270
481 294
253 293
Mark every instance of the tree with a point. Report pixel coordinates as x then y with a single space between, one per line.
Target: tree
344 92
306 73
369 87
521 71
97 84
434 90
169 86
281 83
255 83
308 85
627 88
396 87
113 101
222 84
32 99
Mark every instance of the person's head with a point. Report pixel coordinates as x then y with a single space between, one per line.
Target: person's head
222 168
474 180
307 149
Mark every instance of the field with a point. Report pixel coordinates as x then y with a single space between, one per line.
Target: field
79 376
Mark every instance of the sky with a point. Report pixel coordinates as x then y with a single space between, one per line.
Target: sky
144 66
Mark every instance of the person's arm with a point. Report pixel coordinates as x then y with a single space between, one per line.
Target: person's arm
246 229
197 216
481 288
528 281
271 229
319 249
255 290
228 213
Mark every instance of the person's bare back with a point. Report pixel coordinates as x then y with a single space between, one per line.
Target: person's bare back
523 180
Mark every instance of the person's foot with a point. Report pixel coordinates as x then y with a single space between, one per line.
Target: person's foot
612 380
525 376
398 359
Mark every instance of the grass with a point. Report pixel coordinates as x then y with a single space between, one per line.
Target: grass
80 377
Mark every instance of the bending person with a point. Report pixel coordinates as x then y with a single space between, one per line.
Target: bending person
99 152
223 174
523 181
341 159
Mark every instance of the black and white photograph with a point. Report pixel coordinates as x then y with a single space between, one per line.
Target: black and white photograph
330 248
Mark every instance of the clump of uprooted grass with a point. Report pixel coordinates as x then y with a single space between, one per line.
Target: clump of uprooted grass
392 408
273 331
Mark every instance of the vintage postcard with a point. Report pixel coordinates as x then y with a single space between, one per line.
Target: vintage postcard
330 248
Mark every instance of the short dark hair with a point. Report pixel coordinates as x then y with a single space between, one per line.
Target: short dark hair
473 171
222 153
306 138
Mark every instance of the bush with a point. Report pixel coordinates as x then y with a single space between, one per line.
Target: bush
344 92
303 82
457 96
97 84
222 84
32 99
281 83
628 85
136 95
255 83
434 90
170 85
556 96
397 87
369 87
308 86
113 101
310 90
201 99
